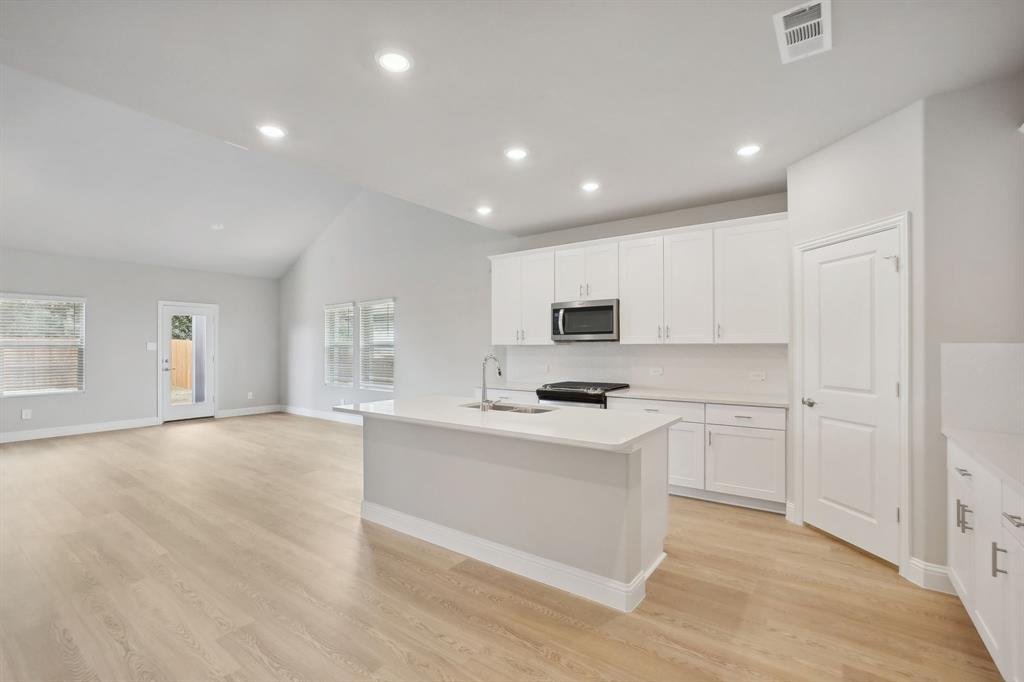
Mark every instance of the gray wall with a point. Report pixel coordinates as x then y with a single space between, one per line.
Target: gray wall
121 316
955 162
436 268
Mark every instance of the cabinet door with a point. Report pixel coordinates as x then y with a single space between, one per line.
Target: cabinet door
538 286
988 595
506 300
747 462
640 290
602 272
1013 666
959 541
686 455
570 274
689 287
752 283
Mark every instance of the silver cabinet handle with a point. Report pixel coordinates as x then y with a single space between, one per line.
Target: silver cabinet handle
995 563
659 331
1014 519
742 416
651 409
666 332
588 288
959 514
524 334
963 472
718 331
964 511
709 438
581 291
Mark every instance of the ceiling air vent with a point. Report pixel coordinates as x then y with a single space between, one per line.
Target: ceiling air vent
804 30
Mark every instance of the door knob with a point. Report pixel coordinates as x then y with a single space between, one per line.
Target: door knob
809 402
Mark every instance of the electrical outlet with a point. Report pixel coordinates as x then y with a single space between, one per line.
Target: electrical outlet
26 414
657 371
151 345
250 395
757 375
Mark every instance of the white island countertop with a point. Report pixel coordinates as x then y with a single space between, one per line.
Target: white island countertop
664 393
611 430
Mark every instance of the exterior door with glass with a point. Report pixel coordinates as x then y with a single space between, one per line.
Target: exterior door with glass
187 372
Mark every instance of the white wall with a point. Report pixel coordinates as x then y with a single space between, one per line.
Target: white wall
955 162
121 316
434 265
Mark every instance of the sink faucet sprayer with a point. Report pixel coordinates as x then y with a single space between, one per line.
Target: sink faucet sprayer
484 402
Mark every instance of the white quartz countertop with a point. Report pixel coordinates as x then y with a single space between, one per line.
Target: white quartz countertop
655 393
599 429
1002 453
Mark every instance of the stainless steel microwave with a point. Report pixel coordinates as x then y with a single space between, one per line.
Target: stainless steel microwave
585 320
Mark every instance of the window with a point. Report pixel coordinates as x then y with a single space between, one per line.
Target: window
338 343
377 344
42 344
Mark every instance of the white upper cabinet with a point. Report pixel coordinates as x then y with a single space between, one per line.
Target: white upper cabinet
538 289
587 273
689 287
522 291
641 290
752 283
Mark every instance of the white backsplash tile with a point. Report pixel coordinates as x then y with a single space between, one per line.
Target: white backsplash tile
720 369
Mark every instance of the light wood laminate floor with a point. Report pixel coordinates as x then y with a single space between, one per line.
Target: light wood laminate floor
233 550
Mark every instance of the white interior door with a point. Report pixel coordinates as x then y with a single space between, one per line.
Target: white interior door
187 372
689 287
851 417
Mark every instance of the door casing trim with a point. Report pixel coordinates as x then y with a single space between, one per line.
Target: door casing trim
214 309
795 507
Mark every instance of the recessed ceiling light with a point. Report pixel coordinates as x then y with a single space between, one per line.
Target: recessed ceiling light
272 131
217 226
516 153
590 186
484 210
395 62
748 150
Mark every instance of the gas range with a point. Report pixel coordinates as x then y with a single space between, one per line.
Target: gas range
577 393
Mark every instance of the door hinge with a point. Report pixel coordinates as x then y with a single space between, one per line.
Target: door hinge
895 262
897 389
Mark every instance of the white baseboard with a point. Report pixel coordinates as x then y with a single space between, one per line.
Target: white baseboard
612 593
245 411
724 498
929 576
792 515
76 429
329 415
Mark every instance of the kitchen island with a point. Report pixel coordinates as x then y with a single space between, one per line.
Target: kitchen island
570 497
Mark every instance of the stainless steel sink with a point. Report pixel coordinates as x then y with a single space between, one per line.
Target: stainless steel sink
511 407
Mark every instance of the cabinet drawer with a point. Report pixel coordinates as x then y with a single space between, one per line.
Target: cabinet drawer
510 395
690 412
743 415
1013 512
961 468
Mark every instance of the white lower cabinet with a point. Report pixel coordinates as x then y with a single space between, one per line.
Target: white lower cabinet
747 462
986 559
686 455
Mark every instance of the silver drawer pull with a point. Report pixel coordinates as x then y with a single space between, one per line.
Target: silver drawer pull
1015 519
962 472
651 409
964 511
742 416
959 514
995 556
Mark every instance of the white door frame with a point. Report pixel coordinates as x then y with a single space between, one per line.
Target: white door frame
795 509
213 309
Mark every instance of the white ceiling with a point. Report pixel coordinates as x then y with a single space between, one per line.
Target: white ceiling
649 98
83 176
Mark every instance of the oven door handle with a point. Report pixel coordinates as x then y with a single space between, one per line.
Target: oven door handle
561 321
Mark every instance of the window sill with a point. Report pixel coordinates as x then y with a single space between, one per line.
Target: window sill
42 392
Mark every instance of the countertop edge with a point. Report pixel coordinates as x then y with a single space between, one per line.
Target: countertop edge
967 439
621 447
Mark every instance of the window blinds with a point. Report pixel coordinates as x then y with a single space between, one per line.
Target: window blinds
338 343
42 344
377 344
